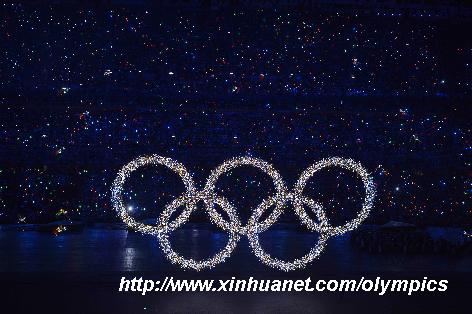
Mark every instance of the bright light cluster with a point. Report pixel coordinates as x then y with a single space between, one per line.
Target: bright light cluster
253 228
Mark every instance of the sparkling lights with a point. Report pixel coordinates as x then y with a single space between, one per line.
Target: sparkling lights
254 227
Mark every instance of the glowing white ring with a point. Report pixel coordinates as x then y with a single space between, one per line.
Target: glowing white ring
267 168
347 164
253 236
191 263
133 165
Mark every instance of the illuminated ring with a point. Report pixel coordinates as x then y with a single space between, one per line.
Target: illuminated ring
126 171
280 189
253 236
347 164
211 262
253 228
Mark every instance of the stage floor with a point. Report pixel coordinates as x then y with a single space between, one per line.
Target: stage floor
80 272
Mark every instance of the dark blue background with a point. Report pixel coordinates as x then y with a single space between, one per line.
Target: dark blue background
86 87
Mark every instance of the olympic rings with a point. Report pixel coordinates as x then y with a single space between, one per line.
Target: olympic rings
279 200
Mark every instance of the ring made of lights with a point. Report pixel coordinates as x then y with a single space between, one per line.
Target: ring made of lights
254 227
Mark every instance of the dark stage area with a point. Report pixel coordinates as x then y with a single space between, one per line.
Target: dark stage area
81 272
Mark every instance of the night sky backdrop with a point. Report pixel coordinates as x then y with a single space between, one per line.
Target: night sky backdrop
86 88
